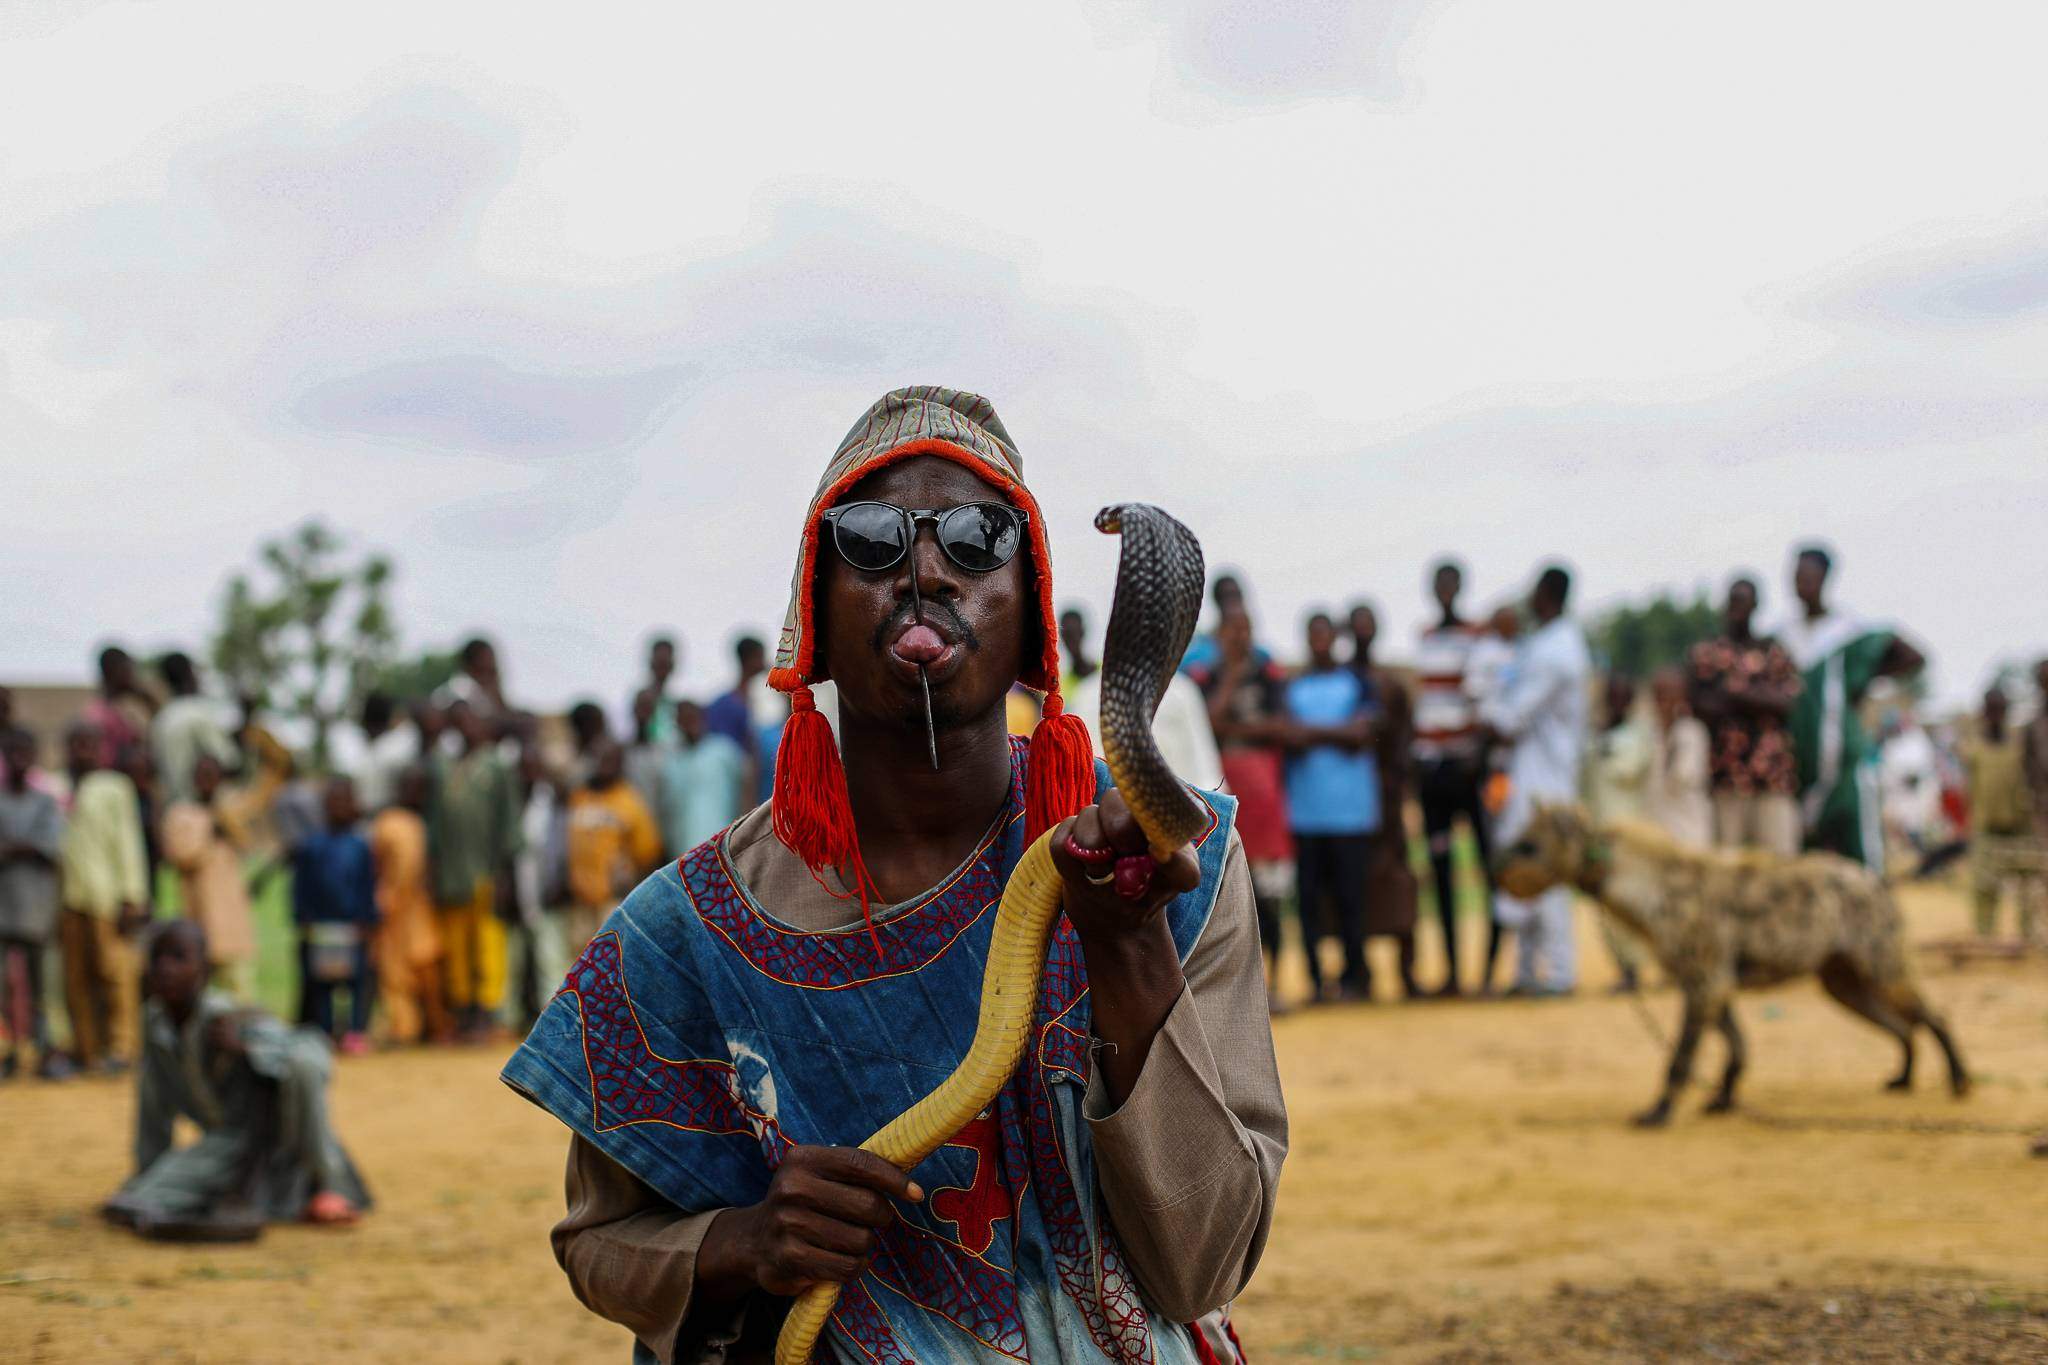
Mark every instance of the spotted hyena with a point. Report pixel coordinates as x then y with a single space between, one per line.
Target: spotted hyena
1719 920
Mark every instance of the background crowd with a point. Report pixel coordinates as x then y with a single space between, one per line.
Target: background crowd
451 853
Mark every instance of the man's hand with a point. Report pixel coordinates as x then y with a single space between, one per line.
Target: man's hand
817 1224
1112 883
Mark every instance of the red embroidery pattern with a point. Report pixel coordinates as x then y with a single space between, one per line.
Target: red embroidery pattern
941 1278
631 1083
862 1319
839 959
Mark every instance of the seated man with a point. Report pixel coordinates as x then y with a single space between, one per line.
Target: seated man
258 1092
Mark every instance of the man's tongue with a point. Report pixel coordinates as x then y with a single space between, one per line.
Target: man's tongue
919 645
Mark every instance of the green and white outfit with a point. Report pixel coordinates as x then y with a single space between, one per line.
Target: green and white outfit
1838 657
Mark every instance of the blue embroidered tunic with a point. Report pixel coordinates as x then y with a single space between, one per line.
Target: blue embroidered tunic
698 1037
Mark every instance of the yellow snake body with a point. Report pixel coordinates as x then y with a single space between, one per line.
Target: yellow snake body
1158 594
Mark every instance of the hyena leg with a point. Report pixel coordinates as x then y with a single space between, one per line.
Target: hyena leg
1703 1004
1914 1008
1731 1033
1849 985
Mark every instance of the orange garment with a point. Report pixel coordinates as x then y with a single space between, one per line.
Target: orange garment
613 843
210 875
408 940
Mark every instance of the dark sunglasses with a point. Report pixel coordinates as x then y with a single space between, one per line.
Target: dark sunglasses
875 536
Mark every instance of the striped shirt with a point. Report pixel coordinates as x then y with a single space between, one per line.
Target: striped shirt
1446 719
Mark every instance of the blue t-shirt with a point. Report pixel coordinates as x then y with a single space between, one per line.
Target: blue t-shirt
334 880
1331 789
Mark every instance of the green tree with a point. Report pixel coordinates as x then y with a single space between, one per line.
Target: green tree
1638 639
314 635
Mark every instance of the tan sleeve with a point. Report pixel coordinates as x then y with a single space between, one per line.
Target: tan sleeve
1190 1164
631 1257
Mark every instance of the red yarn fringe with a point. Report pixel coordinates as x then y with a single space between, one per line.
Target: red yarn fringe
812 815
1061 778
810 809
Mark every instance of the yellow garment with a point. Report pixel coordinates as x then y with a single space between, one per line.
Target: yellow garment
613 843
1998 787
210 877
473 937
1020 710
102 859
101 986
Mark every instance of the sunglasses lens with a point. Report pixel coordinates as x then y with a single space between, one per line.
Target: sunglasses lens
980 536
869 536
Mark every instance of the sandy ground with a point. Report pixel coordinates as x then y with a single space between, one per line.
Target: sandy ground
1463 1186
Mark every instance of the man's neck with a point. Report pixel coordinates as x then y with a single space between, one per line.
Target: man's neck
1741 634
1450 619
1994 731
916 823
1816 610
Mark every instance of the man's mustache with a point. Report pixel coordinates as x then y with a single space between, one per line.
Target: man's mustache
948 615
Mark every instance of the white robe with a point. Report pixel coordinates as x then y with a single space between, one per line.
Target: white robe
1543 710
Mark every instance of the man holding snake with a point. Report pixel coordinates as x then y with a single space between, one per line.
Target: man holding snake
778 994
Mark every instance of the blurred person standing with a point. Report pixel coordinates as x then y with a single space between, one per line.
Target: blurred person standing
472 832
1180 726
1742 687
1543 714
703 786
1390 886
613 843
1676 799
731 713
334 904
646 757
1838 656
1448 751
536 878
31 842
2035 761
662 657
1079 664
387 752
104 873
1489 671
1227 594
2002 845
205 839
407 950
589 731
186 727
1332 806
1617 782
122 709
478 681
1248 712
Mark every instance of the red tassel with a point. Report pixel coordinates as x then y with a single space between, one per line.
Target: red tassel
1061 778
812 815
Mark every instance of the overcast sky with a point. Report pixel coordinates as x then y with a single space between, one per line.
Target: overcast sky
566 309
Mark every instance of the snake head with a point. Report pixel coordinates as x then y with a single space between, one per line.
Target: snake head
1110 520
